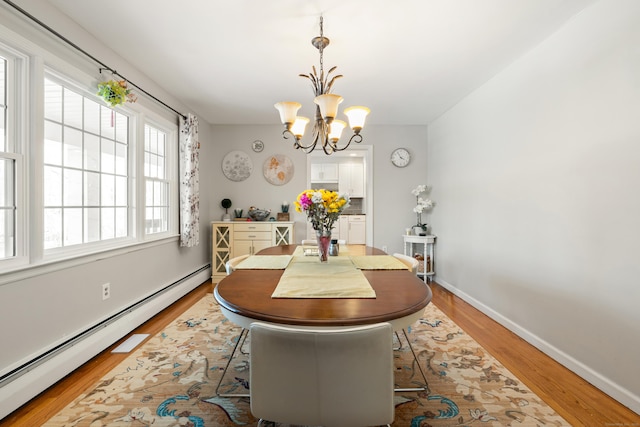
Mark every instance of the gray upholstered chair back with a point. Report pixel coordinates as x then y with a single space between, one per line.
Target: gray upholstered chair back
329 377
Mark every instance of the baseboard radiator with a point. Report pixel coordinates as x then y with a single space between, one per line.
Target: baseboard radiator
32 378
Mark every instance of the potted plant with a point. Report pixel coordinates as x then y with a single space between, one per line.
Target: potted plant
226 204
422 205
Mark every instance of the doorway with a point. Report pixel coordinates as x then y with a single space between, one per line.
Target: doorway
359 154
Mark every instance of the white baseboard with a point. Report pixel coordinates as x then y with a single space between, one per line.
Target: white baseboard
614 390
24 388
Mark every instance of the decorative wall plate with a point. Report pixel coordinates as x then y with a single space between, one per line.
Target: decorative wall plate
278 169
257 145
237 166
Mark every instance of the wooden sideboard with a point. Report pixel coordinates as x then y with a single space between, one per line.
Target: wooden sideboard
234 238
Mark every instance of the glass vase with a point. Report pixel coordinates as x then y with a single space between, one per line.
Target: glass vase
324 239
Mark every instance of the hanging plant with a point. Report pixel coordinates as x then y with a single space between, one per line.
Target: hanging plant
115 92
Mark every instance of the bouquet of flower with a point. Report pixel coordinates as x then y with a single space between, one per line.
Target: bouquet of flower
421 204
323 207
116 92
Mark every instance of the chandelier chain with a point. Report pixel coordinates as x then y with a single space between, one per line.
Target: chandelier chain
321 47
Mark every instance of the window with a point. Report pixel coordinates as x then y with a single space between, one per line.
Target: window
94 178
11 159
156 182
86 146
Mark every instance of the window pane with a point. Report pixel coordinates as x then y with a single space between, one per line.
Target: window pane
91 152
107 226
52 186
7 208
52 101
121 191
121 222
91 116
72 109
7 236
107 122
108 190
121 159
7 183
3 104
91 224
122 127
107 158
52 143
52 228
72 226
72 193
91 189
148 194
72 148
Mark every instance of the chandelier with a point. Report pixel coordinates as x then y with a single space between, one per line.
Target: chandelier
326 128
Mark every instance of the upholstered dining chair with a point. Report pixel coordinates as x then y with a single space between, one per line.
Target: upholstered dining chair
230 266
341 377
233 262
410 262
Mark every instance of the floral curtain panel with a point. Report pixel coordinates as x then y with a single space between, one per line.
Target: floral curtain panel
189 182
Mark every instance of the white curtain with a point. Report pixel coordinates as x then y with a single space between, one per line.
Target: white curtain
189 182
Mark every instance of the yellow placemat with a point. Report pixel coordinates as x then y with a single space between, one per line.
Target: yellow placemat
337 278
378 262
264 262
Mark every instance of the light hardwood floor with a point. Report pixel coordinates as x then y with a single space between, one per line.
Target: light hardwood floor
580 403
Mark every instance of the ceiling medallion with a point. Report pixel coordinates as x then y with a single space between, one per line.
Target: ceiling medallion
326 128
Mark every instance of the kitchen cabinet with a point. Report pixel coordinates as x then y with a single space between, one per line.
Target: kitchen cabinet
350 228
324 172
344 228
351 179
357 227
232 239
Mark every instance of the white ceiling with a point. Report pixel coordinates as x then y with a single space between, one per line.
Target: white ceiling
408 60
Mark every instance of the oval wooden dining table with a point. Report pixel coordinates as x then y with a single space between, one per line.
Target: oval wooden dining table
245 297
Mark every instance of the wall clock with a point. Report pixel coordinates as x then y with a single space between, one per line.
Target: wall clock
257 145
400 157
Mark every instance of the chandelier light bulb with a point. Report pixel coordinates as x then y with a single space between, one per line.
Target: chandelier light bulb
357 116
335 129
288 111
328 104
299 126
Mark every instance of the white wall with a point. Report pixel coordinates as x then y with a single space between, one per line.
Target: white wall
536 178
392 198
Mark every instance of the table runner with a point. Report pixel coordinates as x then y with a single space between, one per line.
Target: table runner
264 262
338 278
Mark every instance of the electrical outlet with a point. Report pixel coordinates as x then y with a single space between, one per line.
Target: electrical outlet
384 248
106 291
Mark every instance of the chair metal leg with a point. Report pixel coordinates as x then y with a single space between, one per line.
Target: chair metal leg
424 377
241 338
399 347
242 350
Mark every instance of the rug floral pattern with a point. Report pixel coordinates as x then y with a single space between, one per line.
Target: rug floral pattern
171 381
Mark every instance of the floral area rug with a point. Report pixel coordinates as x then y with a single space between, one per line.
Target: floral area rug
171 381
